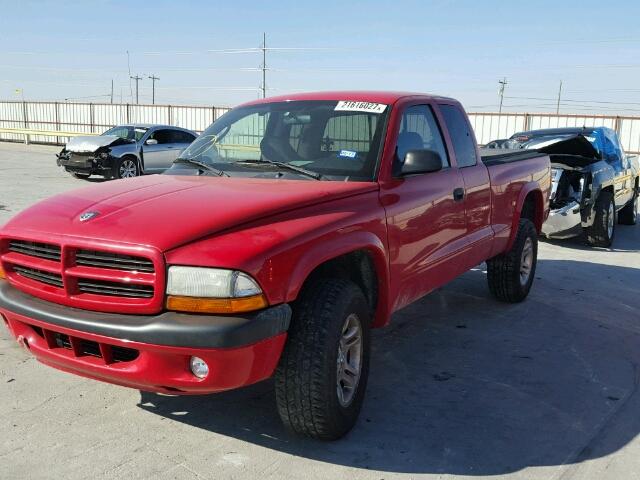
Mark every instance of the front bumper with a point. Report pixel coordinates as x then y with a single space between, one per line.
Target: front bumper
148 352
86 164
564 222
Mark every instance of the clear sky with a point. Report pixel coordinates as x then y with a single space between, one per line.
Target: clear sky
54 50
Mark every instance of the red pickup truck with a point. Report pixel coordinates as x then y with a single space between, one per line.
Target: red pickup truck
285 232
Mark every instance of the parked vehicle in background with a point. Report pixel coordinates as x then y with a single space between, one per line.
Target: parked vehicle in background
594 182
125 151
285 232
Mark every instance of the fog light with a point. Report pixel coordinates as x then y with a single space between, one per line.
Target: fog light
199 367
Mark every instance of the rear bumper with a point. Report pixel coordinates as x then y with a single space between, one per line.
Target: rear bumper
148 352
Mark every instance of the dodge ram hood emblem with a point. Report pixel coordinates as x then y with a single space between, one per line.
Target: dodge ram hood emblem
88 216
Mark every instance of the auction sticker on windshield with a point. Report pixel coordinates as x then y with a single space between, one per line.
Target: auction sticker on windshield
351 106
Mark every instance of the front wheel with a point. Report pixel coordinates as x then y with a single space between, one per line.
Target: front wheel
322 375
127 167
510 275
601 233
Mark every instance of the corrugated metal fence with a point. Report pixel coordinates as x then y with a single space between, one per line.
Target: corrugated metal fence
96 117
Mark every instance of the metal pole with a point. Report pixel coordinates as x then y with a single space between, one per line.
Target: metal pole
137 79
112 91
502 83
264 65
153 88
559 96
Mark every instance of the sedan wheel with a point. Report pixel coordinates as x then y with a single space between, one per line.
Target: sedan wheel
128 168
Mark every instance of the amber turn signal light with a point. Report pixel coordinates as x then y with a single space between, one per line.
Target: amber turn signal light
3 275
216 305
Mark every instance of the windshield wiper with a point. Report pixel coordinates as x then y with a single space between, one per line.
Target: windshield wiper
202 165
286 166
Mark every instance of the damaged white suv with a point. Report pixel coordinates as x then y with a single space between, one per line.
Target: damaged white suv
125 151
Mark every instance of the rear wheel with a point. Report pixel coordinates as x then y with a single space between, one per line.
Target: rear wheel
510 275
127 167
322 375
629 214
601 233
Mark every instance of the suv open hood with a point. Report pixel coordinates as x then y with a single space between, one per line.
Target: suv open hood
166 211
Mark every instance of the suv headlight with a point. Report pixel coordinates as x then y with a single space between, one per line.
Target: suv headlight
212 290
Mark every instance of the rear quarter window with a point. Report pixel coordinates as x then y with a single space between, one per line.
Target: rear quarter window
463 141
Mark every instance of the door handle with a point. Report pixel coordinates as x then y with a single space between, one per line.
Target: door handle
458 194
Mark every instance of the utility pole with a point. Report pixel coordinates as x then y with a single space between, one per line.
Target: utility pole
153 88
559 96
112 91
264 64
503 83
137 79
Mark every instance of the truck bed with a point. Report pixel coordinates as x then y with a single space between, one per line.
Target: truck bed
497 156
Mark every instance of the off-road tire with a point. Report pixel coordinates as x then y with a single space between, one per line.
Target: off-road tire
504 271
306 377
118 170
629 214
80 176
598 235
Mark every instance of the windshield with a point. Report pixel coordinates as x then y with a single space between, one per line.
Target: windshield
335 140
127 132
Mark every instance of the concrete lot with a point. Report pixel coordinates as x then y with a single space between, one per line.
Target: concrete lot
461 386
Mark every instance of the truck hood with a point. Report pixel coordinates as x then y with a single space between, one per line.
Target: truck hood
575 151
89 144
166 211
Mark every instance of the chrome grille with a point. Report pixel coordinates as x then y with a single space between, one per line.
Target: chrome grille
116 261
35 249
49 278
117 289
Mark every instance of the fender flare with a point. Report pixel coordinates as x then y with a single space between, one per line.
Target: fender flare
526 189
341 245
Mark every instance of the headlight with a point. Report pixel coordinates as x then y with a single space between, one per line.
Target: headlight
212 290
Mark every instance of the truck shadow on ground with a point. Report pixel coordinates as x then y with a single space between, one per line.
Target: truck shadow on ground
462 384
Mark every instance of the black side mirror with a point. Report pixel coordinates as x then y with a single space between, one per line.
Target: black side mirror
421 161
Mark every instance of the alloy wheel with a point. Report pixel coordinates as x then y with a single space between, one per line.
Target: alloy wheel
349 361
128 169
526 261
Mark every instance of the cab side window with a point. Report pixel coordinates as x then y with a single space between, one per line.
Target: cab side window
463 141
419 130
162 136
178 136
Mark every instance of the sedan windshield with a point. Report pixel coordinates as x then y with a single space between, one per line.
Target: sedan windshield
322 140
127 132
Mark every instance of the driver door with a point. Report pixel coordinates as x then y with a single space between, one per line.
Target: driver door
159 156
425 213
